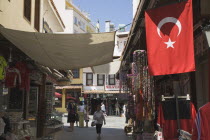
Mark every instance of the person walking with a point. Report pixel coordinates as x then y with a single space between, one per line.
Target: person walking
99 118
103 109
86 115
117 107
72 110
81 111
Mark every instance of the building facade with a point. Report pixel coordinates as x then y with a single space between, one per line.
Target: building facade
104 87
75 21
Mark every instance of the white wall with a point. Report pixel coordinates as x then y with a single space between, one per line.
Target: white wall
81 19
119 47
12 15
66 15
135 6
50 16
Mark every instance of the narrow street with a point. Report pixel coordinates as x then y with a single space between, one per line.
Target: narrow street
113 130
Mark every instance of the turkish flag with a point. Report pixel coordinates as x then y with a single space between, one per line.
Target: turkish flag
169 35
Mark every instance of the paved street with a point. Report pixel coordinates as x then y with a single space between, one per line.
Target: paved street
112 131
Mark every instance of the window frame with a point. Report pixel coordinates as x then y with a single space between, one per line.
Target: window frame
103 78
78 74
25 8
89 79
37 15
75 21
112 78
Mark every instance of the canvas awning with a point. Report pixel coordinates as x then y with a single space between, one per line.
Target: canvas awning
64 51
109 68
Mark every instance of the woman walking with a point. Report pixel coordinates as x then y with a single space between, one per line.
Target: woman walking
99 118
72 110
81 110
86 115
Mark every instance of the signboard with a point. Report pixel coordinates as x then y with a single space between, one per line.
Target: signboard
115 87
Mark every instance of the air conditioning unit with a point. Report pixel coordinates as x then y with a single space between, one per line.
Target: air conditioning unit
205 7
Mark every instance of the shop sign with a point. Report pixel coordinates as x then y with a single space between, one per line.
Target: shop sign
109 95
113 87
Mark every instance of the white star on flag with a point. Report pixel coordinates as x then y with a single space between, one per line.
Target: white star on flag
170 43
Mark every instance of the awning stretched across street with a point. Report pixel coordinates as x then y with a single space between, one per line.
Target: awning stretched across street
64 51
109 68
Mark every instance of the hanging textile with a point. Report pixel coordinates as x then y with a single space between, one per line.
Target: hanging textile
202 124
170 126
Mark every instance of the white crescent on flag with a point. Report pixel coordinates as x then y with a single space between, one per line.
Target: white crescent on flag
167 20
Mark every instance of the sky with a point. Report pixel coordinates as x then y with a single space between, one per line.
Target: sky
118 11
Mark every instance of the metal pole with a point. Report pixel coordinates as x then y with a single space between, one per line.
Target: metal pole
177 107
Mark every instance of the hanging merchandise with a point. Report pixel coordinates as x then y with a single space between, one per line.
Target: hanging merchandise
144 84
25 75
202 124
172 122
13 77
3 65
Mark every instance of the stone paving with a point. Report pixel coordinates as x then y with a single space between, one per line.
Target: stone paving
113 130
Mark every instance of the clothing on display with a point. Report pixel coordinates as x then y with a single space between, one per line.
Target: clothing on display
12 76
3 65
169 109
202 124
170 126
25 75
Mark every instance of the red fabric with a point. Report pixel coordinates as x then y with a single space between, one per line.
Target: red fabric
25 75
201 129
170 126
175 24
12 77
58 95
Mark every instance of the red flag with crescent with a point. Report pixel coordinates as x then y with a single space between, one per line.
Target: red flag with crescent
169 37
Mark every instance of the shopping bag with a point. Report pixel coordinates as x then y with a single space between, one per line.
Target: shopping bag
93 123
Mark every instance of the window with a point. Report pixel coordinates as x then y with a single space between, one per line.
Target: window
75 20
100 79
75 73
82 25
89 79
112 79
37 15
125 43
27 9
